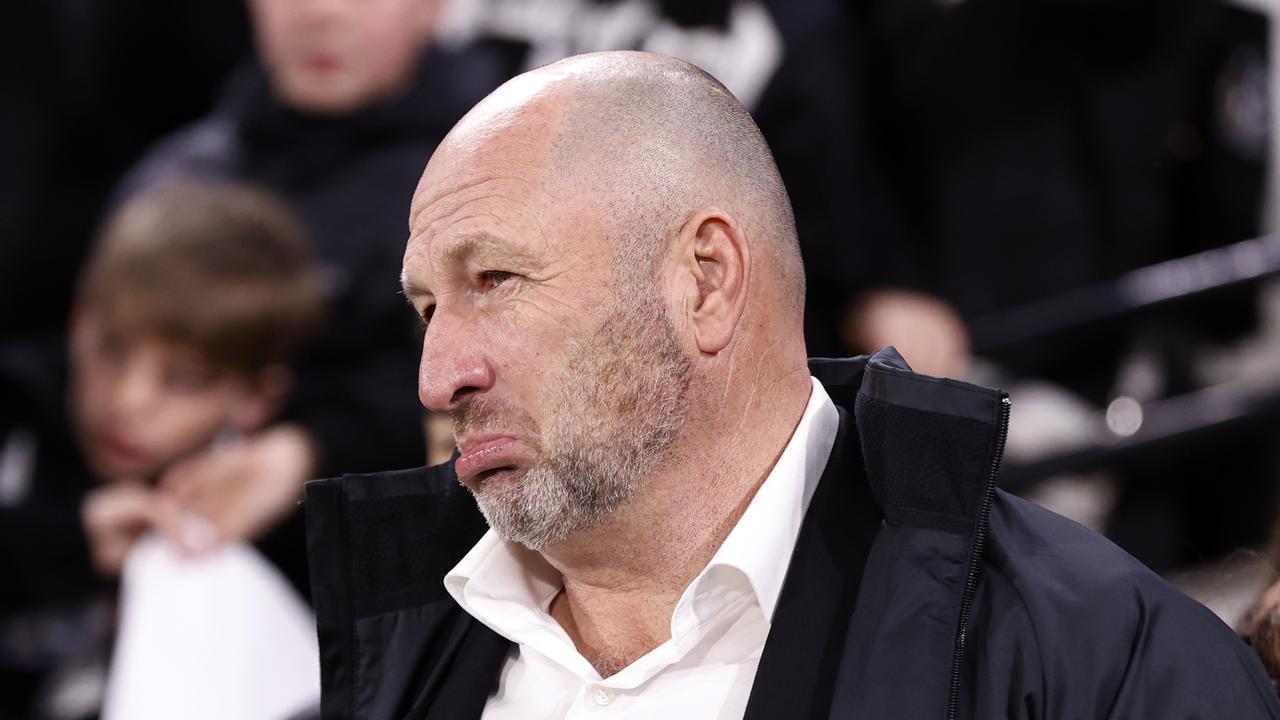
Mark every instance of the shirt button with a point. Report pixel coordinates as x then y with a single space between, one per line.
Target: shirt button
602 695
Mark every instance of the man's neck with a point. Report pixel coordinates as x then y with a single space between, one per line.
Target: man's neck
623 578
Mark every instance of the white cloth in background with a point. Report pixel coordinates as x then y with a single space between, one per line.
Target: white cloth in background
718 628
214 638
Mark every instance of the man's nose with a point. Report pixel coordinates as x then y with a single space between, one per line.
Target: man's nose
453 366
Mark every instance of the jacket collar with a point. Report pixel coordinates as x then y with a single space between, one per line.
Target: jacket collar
907 510
927 442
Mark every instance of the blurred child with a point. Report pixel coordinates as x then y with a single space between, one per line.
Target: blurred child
184 325
181 336
336 112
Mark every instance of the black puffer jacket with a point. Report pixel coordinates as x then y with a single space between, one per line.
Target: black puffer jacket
917 590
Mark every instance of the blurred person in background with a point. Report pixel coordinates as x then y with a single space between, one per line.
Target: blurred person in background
1040 147
85 87
1036 148
183 329
343 102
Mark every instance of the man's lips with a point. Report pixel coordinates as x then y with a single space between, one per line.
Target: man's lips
481 454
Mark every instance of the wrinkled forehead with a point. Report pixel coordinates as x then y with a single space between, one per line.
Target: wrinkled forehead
515 125
506 178
517 122
500 190
510 161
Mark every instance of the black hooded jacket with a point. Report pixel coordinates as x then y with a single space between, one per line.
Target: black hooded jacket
916 589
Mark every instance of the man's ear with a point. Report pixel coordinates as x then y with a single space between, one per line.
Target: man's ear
718 262
261 397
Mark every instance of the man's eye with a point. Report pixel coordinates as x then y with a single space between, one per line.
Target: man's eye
493 278
426 314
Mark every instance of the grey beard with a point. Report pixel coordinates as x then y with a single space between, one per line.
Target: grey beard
632 400
553 502
583 484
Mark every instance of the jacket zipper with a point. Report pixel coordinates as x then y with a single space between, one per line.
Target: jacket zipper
975 557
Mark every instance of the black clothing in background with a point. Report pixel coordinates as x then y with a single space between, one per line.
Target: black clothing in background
85 86
44 555
1039 146
350 178
52 604
817 122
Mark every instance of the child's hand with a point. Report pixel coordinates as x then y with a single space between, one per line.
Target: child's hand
116 515
245 487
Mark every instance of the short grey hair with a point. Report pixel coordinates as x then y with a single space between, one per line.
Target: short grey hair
659 138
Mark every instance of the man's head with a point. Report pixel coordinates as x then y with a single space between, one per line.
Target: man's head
607 262
336 56
184 322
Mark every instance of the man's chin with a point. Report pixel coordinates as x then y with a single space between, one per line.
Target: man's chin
517 512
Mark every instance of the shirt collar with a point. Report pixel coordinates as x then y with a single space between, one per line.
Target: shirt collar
759 546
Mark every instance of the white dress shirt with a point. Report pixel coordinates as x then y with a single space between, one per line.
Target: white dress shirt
718 628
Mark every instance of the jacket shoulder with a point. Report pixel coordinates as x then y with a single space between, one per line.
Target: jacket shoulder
1059 562
1067 623
392 536
379 546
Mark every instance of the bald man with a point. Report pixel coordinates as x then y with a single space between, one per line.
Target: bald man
660 508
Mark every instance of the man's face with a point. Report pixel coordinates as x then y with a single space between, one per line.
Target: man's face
336 56
566 383
139 404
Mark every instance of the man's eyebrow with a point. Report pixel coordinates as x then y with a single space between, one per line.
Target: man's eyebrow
477 243
410 290
457 253
480 242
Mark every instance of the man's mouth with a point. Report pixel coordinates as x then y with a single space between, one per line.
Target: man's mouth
484 454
